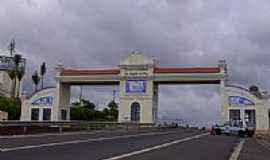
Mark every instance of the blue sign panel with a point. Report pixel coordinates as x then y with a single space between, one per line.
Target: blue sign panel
7 63
135 86
240 101
43 101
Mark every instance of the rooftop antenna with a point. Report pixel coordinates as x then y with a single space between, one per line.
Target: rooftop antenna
11 47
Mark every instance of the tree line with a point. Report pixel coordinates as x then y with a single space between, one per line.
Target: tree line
16 75
86 110
17 72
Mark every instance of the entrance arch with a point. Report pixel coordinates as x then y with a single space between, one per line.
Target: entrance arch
138 78
135 110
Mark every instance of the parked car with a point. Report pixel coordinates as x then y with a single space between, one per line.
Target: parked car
234 127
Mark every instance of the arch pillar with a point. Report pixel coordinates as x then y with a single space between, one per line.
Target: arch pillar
61 111
223 97
147 101
62 100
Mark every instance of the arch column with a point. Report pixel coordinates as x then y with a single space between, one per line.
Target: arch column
223 97
147 101
62 100
61 111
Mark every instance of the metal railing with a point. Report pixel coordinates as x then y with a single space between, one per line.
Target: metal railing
28 127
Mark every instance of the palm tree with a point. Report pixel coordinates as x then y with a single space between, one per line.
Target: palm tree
42 72
255 90
17 60
12 76
35 79
20 74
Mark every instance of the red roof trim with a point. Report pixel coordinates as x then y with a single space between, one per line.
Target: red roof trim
188 70
77 72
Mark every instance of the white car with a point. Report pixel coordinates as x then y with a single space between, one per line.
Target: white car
234 127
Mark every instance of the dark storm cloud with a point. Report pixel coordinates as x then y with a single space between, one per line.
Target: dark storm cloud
99 33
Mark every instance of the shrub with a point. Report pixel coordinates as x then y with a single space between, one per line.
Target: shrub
12 106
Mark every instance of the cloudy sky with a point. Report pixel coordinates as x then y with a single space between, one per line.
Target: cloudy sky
99 33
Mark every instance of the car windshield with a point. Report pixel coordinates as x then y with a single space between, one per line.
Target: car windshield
237 124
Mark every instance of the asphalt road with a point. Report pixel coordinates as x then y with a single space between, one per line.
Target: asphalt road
156 145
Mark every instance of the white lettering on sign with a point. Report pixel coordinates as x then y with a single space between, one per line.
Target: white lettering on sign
240 101
43 101
135 86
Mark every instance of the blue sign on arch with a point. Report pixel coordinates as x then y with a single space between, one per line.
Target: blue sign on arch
240 101
43 101
135 86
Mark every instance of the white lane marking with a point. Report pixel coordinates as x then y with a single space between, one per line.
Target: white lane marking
84 141
236 153
50 134
156 147
1 150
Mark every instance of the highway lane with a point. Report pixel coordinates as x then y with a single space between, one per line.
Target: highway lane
11 142
107 148
205 148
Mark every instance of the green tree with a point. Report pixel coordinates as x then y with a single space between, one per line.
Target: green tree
255 90
20 74
113 105
42 73
12 76
88 104
36 80
113 111
86 110
12 106
83 111
17 59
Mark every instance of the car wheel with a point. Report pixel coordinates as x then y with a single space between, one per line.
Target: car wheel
218 132
250 134
241 133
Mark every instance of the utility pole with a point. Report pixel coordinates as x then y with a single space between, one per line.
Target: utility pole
80 96
11 47
114 94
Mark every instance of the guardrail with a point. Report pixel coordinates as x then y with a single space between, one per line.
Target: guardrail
31 127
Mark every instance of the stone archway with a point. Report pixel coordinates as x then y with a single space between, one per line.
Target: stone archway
135 110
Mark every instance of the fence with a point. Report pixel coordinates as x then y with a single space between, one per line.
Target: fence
32 127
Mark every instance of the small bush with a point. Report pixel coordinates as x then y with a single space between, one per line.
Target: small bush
12 106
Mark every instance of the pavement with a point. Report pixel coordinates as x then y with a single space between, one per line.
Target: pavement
172 144
256 149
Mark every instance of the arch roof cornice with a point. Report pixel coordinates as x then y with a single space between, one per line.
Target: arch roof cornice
137 60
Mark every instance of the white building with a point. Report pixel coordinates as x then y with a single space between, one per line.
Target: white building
39 106
7 64
3 116
240 104
5 84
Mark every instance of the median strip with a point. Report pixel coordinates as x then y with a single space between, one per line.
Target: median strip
157 147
